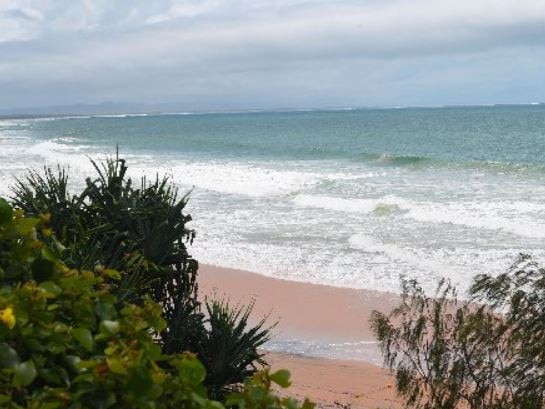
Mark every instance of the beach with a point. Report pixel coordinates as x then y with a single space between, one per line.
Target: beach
331 208
314 313
341 172
337 383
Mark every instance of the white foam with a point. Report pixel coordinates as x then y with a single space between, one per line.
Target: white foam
239 178
517 217
176 113
362 261
508 217
287 218
10 123
60 118
225 177
8 137
117 115
428 265
422 264
366 351
340 204
53 151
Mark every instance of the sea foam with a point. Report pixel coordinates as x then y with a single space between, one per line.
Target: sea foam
238 178
517 217
295 195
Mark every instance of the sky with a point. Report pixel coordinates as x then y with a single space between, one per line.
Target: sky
239 54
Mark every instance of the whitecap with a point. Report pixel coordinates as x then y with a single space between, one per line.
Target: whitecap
381 207
238 178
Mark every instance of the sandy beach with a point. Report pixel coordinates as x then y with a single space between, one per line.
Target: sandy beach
311 312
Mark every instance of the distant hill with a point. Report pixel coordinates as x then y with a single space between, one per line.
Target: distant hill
84 109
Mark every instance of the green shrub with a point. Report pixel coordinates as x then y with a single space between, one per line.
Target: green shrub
65 341
68 341
488 352
140 230
228 349
257 393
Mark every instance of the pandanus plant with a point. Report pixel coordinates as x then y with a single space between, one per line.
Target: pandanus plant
142 232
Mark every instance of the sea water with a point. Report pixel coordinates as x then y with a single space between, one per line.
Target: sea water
352 198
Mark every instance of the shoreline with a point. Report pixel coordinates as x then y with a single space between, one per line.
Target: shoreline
303 310
315 313
340 384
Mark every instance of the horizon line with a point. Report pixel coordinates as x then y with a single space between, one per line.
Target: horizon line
127 113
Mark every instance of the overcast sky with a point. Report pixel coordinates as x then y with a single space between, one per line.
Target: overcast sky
213 54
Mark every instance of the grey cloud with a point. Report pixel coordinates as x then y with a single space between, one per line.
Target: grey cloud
210 49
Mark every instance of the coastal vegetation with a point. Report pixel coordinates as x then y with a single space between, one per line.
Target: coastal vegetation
485 352
99 303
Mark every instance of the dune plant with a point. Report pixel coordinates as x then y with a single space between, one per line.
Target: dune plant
68 341
48 194
258 393
138 230
228 348
141 230
485 352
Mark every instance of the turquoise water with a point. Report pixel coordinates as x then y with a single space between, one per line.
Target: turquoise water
353 198
450 135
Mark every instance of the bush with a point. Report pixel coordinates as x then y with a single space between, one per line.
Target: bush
257 393
67 340
488 352
140 230
228 349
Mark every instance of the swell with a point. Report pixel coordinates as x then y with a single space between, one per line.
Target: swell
421 162
397 160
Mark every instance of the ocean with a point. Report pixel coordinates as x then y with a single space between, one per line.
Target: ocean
350 198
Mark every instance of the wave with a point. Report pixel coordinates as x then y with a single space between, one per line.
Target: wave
401 160
118 115
11 123
366 351
418 162
54 149
504 167
83 116
518 218
237 178
381 207
394 160
55 152
233 177
410 256
249 179
511 218
176 113
459 264
385 209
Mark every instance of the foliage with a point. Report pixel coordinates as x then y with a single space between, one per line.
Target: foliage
140 230
257 393
488 352
66 339
228 349
519 295
48 194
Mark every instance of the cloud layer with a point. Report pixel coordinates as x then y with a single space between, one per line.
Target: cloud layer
211 54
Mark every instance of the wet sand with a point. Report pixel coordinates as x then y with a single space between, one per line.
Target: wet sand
313 312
